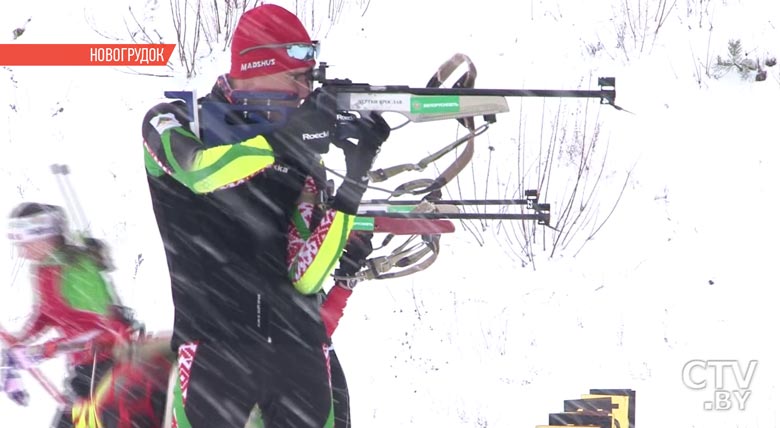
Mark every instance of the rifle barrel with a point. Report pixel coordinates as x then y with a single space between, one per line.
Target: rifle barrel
449 202
575 93
457 216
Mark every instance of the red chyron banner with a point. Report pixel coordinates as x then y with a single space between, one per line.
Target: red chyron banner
85 54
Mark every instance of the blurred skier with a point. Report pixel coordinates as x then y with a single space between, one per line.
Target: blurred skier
71 296
247 326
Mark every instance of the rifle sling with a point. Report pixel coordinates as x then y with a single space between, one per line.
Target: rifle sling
465 81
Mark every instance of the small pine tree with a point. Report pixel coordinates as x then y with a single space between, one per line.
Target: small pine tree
736 59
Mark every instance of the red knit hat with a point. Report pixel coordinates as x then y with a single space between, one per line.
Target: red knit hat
261 41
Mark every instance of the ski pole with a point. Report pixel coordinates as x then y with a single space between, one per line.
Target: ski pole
61 173
48 386
18 265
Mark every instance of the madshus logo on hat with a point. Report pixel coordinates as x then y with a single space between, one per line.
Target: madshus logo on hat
258 64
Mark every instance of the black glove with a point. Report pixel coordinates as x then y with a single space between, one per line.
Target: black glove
370 132
356 252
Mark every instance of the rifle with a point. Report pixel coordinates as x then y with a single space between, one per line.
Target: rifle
462 102
433 103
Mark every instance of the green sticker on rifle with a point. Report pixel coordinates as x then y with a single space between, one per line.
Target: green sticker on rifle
435 104
364 224
400 208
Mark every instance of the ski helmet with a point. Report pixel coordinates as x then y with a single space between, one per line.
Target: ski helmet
30 221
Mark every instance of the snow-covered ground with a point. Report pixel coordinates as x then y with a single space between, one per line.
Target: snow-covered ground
683 269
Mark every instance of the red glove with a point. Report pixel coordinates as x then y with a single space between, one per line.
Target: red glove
50 348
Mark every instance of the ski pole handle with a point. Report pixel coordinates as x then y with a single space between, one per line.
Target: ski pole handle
75 212
60 169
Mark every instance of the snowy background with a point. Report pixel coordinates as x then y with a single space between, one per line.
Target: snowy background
683 266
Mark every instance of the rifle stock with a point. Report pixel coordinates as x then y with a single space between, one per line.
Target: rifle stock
422 108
